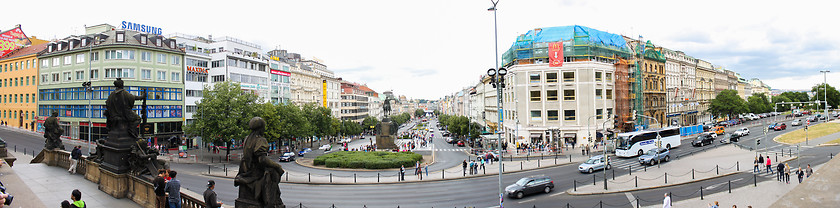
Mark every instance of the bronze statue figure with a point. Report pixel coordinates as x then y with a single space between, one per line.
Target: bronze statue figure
258 176
118 110
53 132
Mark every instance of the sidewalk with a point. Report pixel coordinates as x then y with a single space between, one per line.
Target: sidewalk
727 160
452 173
52 185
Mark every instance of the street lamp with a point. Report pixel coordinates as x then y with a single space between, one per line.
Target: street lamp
492 73
825 93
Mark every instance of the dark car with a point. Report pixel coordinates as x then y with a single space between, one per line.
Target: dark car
780 126
304 151
287 157
702 140
732 137
530 185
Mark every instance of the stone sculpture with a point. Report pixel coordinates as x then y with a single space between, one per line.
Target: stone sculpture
53 133
258 176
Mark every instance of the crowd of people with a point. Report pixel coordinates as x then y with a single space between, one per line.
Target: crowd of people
783 170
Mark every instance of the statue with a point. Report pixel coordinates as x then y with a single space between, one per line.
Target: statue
143 160
122 124
386 106
53 132
118 110
258 176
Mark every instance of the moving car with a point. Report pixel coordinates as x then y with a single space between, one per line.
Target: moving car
326 147
530 185
796 122
743 131
655 156
287 157
702 140
461 143
780 126
771 126
718 130
304 151
594 163
732 138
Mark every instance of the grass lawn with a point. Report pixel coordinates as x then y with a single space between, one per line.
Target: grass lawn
815 131
368 160
836 141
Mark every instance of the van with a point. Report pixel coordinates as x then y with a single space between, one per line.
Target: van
718 130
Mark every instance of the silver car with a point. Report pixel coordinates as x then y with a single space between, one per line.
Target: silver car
654 156
796 122
594 163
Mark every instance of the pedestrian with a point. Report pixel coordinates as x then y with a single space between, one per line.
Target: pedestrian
65 204
715 205
159 184
464 165
755 165
210 195
417 168
75 156
769 167
666 203
760 161
402 173
800 174
809 171
427 169
173 187
76 196
582 150
787 173
780 170
482 163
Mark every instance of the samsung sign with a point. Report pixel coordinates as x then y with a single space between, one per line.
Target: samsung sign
141 28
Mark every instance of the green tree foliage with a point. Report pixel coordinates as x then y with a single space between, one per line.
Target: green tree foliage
833 95
368 122
781 99
460 126
350 128
320 120
400 119
419 113
796 96
436 112
727 103
758 103
224 115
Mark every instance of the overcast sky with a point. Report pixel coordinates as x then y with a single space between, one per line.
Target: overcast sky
428 49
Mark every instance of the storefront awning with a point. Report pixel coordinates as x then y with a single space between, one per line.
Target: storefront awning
569 135
536 135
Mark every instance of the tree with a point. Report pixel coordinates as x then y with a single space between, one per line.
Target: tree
833 95
224 115
781 99
319 119
369 122
758 103
727 103
419 113
796 96
436 112
400 119
292 123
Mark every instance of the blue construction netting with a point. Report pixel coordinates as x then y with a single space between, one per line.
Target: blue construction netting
554 34
691 130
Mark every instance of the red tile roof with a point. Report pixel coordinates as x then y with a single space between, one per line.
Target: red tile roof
29 50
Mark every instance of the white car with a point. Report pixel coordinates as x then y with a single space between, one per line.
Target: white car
742 132
711 133
326 147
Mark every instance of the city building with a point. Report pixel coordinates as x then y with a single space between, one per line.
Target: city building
758 86
357 101
19 84
240 62
705 90
145 62
680 70
280 81
653 73
196 64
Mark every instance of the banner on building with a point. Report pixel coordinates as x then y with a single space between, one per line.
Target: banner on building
555 51
11 40
281 73
325 93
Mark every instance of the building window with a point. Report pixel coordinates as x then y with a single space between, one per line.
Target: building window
94 56
551 95
119 54
45 78
176 76
598 77
44 63
146 74
55 77
599 113
80 58
80 75
176 60
94 74
536 115
161 75
568 76
67 76
120 37
535 96
569 115
553 115
609 77
68 60
119 73
161 58
146 56
218 78
535 78
551 77
609 94
568 95
56 61
599 94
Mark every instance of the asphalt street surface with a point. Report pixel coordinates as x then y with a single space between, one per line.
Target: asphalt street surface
484 191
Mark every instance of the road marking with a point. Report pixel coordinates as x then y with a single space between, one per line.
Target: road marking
558 194
527 200
630 196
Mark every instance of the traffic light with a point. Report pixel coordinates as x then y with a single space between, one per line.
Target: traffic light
757 142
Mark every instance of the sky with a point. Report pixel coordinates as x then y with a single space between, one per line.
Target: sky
429 49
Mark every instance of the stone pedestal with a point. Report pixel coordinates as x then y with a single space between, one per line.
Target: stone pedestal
92 171
116 150
113 184
384 139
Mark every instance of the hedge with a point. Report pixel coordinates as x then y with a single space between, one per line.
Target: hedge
368 160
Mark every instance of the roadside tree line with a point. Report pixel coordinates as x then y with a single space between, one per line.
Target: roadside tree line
728 103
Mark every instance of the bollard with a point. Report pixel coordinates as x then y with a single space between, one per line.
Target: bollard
377 177
511 158
520 165
730 186
575 182
330 177
777 156
24 151
717 170
485 170
666 177
692 173
630 169
645 167
212 160
737 165
442 174
637 202
555 160
354 178
310 176
637 181
600 204
790 152
594 179
208 169
701 192
287 177
613 170
15 148
538 163
755 180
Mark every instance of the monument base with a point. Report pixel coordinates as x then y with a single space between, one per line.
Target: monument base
113 184
247 203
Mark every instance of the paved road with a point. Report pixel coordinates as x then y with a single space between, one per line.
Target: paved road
480 192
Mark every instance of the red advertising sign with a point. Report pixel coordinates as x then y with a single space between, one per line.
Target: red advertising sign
196 69
555 54
11 40
281 73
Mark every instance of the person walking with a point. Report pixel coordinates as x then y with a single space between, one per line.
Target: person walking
159 184
464 165
402 173
760 161
482 163
755 165
780 176
769 167
666 203
808 171
427 169
76 196
787 173
173 187
75 156
800 174
210 195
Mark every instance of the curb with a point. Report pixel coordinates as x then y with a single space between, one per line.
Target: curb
573 193
828 144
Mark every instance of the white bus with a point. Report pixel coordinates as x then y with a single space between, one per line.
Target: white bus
636 143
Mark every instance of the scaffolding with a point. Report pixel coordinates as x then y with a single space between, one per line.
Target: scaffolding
580 43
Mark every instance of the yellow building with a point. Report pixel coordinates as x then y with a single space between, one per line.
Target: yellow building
19 86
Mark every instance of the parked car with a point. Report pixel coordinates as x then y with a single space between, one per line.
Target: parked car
530 185
780 126
304 151
594 163
702 140
656 155
811 119
287 157
742 131
796 122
